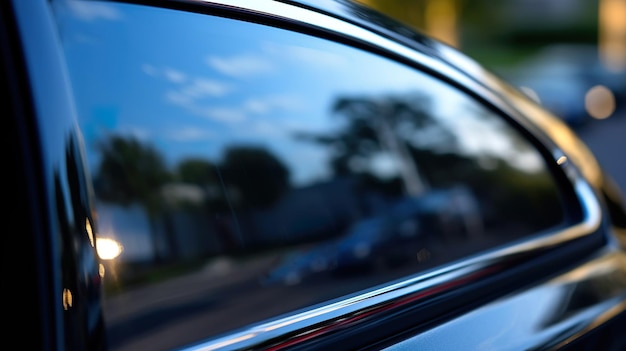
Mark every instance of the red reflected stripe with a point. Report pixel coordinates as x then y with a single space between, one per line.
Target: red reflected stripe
359 316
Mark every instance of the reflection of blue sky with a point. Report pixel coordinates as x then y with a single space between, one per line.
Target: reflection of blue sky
197 84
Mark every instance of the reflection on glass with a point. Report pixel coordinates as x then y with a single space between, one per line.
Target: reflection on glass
108 249
249 172
67 299
600 102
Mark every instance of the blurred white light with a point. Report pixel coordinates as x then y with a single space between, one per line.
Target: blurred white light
600 102
108 249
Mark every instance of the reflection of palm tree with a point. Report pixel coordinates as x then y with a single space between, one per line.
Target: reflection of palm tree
206 175
247 178
253 178
258 176
381 125
131 172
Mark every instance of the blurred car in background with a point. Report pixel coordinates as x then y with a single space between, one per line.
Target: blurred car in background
571 81
170 161
404 231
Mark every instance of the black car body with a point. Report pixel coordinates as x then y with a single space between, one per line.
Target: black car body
230 145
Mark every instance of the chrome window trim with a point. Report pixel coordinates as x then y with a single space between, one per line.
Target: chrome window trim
571 321
292 13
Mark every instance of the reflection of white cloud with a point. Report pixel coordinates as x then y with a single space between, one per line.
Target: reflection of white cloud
190 89
267 104
240 66
224 114
149 70
178 98
204 87
190 134
187 93
266 128
188 102
88 11
174 76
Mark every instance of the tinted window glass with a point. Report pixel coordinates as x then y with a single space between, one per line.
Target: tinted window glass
249 171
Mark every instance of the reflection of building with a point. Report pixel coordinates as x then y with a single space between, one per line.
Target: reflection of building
306 213
129 226
313 213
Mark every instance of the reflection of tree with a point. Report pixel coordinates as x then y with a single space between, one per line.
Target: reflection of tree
383 126
428 155
204 174
258 177
132 172
247 178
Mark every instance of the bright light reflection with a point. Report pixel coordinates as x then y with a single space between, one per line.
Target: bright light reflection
89 231
68 299
108 249
600 102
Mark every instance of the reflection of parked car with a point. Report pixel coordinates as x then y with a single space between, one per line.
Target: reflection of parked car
264 106
302 265
409 227
393 237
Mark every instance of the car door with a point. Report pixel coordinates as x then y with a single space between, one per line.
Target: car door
268 176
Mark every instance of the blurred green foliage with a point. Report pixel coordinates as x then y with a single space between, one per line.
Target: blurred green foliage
501 33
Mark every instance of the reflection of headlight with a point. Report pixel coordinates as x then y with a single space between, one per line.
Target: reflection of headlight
108 249
361 250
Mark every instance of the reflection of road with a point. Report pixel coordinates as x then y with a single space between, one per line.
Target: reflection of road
607 140
221 298
159 317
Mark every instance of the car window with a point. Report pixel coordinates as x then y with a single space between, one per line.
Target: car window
244 171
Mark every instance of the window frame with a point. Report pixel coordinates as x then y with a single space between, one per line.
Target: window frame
419 301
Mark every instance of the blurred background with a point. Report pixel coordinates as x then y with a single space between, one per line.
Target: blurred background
570 55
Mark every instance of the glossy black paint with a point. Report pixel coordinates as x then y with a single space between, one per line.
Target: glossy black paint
53 243
468 303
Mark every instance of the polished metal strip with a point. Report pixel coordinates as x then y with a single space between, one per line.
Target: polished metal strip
292 13
549 316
